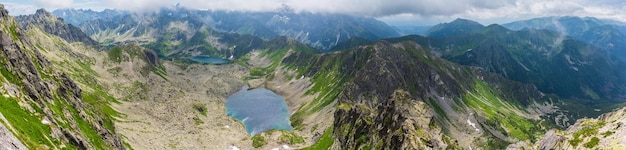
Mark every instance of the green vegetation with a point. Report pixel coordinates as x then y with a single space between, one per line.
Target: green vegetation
160 71
607 133
115 54
197 120
290 137
200 108
438 108
327 83
14 33
590 128
325 142
259 71
29 128
592 143
101 100
88 130
258 141
9 76
501 113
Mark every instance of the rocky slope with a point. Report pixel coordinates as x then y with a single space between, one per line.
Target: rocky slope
552 62
43 107
400 96
183 101
54 25
605 132
394 94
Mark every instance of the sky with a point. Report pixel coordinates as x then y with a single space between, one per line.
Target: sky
394 12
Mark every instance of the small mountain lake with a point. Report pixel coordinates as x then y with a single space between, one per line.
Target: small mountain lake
209 60
259 109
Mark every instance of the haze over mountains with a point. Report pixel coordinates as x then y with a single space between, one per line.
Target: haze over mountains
349 82
318 30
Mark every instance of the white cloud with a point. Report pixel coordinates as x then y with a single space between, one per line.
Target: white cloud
424 11
19 9
137 5
54 4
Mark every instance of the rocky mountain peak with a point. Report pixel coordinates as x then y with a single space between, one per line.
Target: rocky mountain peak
42 12
42 88
3 12
54 25
454 28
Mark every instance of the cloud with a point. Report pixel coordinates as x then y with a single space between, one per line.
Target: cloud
19 9
517 10
137 5
54 3
424 11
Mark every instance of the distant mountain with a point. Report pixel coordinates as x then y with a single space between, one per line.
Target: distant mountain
402 96
78 16
322 31
54 25
553 62
395 93
605 34
413 30
454 28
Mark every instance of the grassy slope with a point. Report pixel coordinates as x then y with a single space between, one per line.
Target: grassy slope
28 124
501 113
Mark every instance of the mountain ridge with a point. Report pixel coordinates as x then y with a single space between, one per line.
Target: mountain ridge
54 25
309 28
42 106
411 92
601 33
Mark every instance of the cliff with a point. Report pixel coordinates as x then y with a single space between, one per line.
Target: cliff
42 107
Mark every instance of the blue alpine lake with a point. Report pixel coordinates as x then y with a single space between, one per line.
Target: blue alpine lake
209 60
259 110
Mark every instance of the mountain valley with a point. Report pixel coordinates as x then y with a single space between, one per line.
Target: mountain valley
122 80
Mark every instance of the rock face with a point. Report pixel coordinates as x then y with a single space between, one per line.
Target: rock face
8 140
54 25
605 132
40 89
400 96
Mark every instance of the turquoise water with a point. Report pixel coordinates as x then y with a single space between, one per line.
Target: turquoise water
209 60
259 110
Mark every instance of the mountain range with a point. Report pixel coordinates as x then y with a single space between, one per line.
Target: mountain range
605 34
349 82
321 31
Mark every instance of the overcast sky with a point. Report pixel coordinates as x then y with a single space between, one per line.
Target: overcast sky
395 12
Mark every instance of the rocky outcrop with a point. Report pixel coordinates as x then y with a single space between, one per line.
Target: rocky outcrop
54 25
398 123
387 100
605 132
400 96
39 85
8 140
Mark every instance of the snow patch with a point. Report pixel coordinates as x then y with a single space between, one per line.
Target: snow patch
523 66
569 59
471 123
45 121
233 147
